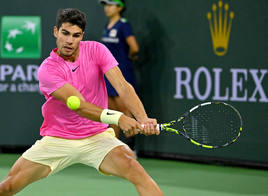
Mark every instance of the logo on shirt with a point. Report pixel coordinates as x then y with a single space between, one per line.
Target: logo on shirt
73 70
113 33
21 37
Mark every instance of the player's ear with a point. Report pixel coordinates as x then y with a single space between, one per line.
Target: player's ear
55 32
119 9
83 33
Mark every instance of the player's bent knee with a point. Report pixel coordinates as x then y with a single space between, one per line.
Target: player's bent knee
134 172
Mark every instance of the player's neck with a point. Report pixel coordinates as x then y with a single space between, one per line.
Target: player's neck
113 19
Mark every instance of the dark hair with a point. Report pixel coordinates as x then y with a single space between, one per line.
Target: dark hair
71 15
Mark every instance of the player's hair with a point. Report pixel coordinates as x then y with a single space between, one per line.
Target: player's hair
124 8
71 15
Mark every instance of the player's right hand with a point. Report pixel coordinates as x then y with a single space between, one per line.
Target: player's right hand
129 125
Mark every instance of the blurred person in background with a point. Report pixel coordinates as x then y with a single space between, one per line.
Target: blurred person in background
119 38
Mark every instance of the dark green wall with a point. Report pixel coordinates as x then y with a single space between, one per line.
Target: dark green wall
173 36
176 35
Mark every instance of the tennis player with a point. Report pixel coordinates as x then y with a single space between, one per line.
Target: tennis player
77 68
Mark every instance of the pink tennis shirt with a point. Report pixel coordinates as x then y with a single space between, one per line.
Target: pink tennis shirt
86 74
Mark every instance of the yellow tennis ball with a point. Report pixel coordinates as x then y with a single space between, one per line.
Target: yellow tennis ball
73 102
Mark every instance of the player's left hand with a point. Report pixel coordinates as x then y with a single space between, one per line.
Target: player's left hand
150 127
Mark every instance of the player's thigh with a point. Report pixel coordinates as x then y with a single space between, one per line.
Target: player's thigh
119 161
25 172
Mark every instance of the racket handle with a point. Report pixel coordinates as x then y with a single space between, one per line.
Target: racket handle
158 127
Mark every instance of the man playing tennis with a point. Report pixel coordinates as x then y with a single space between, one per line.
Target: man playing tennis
77 68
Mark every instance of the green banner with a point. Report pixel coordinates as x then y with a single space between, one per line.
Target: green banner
21 37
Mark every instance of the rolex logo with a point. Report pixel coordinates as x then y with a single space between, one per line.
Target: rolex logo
220 22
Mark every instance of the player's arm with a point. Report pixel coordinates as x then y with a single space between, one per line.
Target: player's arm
86 109
131 99
93 112
133 47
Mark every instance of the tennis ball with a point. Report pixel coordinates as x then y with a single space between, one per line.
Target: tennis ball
73 102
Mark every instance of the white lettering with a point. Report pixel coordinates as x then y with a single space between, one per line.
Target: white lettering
13 88
196 83
180 82
5 70
237 88
3 87
238 83
32 72
24 87
18 74
259 87
110 40
29 73
217 86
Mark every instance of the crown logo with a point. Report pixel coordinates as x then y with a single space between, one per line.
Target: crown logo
220 27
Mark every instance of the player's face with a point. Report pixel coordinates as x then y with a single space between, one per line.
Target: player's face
111 10
68 40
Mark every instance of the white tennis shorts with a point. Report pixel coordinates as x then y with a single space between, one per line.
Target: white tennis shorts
59 153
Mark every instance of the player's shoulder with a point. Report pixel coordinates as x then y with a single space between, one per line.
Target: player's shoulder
89 43
48 62
124 23
124 20
92 46
49 65
44 67
52 59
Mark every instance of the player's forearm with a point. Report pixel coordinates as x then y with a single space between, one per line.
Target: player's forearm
76 102
95 113
89 111
132 102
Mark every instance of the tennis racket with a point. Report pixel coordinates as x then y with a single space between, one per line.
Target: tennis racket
208 125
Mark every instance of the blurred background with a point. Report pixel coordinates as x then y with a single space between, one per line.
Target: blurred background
184 60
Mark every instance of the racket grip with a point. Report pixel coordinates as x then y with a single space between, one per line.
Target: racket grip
158 127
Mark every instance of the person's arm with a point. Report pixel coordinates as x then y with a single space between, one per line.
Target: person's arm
131 100
133 47
91 111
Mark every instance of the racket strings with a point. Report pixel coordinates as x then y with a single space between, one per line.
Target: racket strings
214 124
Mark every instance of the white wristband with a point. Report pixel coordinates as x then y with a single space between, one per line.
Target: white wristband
110 116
